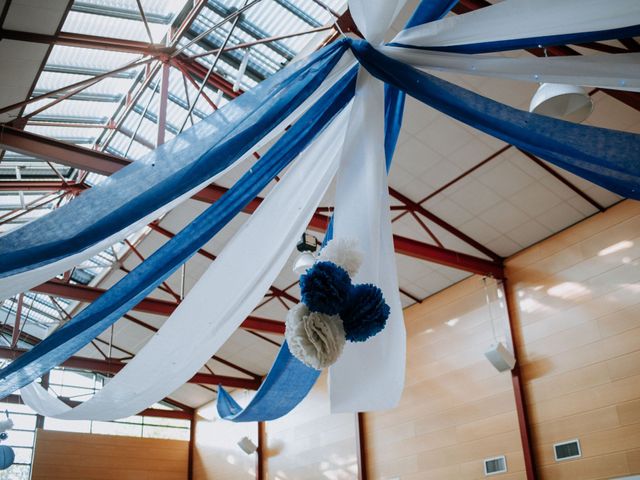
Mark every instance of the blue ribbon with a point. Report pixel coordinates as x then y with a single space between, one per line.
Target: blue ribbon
605 157
289 380
154 270
140 188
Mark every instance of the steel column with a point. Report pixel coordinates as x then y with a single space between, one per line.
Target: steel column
361 450
162 110
518 387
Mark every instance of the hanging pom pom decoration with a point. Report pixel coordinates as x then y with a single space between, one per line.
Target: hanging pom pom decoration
343 252
365 313
6 425
7 456
325 288
314 338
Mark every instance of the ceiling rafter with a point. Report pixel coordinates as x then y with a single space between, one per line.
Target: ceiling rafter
104 164
155 306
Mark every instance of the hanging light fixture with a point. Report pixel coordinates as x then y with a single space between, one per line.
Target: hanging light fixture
307 245
561 101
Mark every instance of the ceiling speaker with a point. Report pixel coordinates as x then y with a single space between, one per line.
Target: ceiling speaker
564 102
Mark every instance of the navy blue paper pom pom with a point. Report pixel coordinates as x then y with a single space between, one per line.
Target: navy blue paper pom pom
365 314
325 288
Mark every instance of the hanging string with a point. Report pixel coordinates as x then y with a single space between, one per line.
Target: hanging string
488 300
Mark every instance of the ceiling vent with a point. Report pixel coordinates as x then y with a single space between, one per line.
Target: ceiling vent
495 465
567 450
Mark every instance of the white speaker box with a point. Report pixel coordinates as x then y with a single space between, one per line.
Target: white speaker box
500 357
247 445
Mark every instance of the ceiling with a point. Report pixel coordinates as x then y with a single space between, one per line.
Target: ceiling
452 187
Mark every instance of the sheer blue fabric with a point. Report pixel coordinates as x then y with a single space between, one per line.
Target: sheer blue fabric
394 98
605 157
181 165
429 11
154 270
286 385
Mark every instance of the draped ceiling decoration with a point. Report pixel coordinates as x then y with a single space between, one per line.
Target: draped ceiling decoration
345 105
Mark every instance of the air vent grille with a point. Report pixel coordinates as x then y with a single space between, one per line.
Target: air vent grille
567 450
493 466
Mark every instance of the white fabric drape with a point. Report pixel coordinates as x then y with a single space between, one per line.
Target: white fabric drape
223 297
370 375
512 19
375 17
22 282
620 72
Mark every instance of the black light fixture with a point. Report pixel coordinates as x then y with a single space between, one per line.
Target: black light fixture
307 246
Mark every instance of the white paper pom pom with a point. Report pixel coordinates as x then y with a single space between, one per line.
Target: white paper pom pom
344 252
314 338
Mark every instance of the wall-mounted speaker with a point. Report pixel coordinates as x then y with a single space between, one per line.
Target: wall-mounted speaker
247 445
500 357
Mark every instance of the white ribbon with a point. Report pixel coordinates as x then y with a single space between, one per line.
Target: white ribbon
374 17
620 71
369 375
513 19
223 297
24 281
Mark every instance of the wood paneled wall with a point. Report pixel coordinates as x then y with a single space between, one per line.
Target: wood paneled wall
217 455
578 314
456 409
82 456
577 325
310 443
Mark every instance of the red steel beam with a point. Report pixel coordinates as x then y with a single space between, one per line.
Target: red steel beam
148 412
91 160
89 41
60 152
416 207
448 258
121 45
113 366
40 186
154 306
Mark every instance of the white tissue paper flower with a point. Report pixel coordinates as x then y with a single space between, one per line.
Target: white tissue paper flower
344 252
314 338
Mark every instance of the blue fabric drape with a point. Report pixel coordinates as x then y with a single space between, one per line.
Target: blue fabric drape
605 157
394 99
429 11
288 382
533 42
147 276
180 166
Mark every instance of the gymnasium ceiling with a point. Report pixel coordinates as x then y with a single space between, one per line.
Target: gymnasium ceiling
462 201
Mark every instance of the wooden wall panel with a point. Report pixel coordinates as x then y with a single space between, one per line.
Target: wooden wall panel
310 443
577 325
578 317
456 409
216 453
82 456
